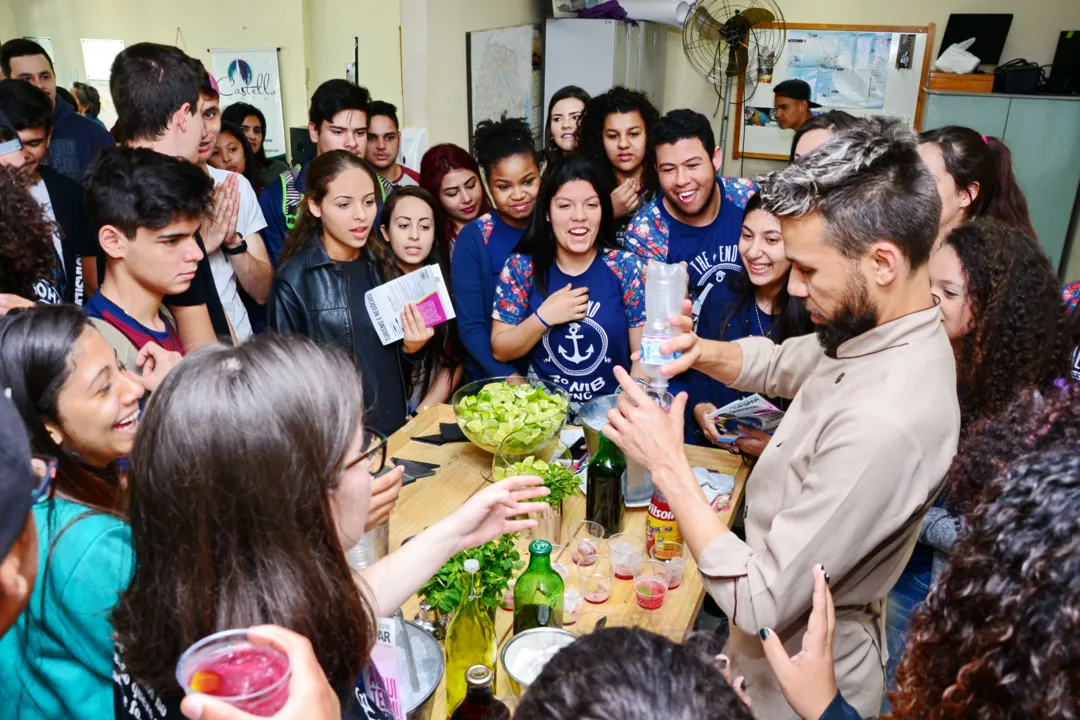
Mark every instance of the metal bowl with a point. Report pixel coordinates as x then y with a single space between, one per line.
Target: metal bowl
553 419
536 639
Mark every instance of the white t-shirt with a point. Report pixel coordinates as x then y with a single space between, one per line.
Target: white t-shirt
41 194
249 220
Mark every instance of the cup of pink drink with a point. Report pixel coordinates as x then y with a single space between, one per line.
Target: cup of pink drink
596 579
650 585
228 666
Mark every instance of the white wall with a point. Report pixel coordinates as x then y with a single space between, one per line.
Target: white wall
433 49
1033 35
314 36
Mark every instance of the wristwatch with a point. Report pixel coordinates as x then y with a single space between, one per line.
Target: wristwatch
237 250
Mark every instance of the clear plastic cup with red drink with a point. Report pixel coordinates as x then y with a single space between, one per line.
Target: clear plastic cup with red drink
227 665
650 585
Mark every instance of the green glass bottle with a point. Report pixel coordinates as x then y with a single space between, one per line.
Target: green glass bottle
604 491
538 593
470 637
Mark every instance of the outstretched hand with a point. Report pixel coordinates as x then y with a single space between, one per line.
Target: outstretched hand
808 679
487 514
645 433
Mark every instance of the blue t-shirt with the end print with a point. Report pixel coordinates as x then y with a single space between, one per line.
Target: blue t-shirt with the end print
711 253
479 254
579 357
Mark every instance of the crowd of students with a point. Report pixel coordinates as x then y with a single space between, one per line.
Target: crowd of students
185 338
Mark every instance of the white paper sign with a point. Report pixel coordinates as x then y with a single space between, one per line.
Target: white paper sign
98 56
251 75
425 287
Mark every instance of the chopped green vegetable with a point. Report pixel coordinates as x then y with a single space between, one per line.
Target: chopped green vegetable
560 480
500 409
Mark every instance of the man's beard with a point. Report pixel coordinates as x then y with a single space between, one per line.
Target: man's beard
856 314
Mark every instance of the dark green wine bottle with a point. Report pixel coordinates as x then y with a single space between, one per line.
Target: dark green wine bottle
604 492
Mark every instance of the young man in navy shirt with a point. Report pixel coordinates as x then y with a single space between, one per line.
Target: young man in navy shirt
337 120
698 218
31 114
146 208
75 139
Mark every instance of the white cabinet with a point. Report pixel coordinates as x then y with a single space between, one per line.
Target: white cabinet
597 55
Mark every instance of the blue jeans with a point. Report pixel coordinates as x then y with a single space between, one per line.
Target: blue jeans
904 601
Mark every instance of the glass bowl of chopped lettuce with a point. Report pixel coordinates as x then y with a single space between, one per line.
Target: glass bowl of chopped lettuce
487 411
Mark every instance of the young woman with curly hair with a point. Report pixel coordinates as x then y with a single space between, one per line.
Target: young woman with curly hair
613 134
28 260
1001 306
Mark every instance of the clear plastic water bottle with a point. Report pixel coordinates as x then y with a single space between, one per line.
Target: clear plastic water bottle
665 290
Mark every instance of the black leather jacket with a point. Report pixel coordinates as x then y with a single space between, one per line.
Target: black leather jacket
309 296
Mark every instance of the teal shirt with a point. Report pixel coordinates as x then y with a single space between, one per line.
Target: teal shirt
57 659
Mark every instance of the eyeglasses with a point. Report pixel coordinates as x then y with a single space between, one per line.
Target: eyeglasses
45 470
374 454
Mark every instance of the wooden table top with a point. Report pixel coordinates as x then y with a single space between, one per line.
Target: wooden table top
463 467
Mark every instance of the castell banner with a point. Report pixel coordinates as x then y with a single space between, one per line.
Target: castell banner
251 75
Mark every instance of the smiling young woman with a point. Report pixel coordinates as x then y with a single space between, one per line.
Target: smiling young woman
754 304
81 408
569 299
506 152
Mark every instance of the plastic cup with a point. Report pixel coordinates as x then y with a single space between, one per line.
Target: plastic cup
673 556
584 540
625 551
228 666
560 561
572 603
650 585
596 580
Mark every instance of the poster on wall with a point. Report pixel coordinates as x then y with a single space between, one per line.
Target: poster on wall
98 56
46 44
505 71
251 75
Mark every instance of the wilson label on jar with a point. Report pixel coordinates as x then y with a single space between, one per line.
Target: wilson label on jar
660 525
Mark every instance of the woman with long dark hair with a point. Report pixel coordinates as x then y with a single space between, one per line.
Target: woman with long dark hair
1000 304
331 258
252 123
410 223
613 134
506 151
563 117
252 475
974 178
233 152
569 299
754 303
452 176
81 408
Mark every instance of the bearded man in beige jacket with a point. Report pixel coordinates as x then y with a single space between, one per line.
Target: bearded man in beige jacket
871 430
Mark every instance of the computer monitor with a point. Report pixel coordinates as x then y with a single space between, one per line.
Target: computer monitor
1065 73
988 29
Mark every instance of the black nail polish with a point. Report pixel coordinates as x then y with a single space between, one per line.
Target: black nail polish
744 685
764 633
721 663
828 578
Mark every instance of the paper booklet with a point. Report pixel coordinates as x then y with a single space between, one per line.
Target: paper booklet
754 411
425 287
